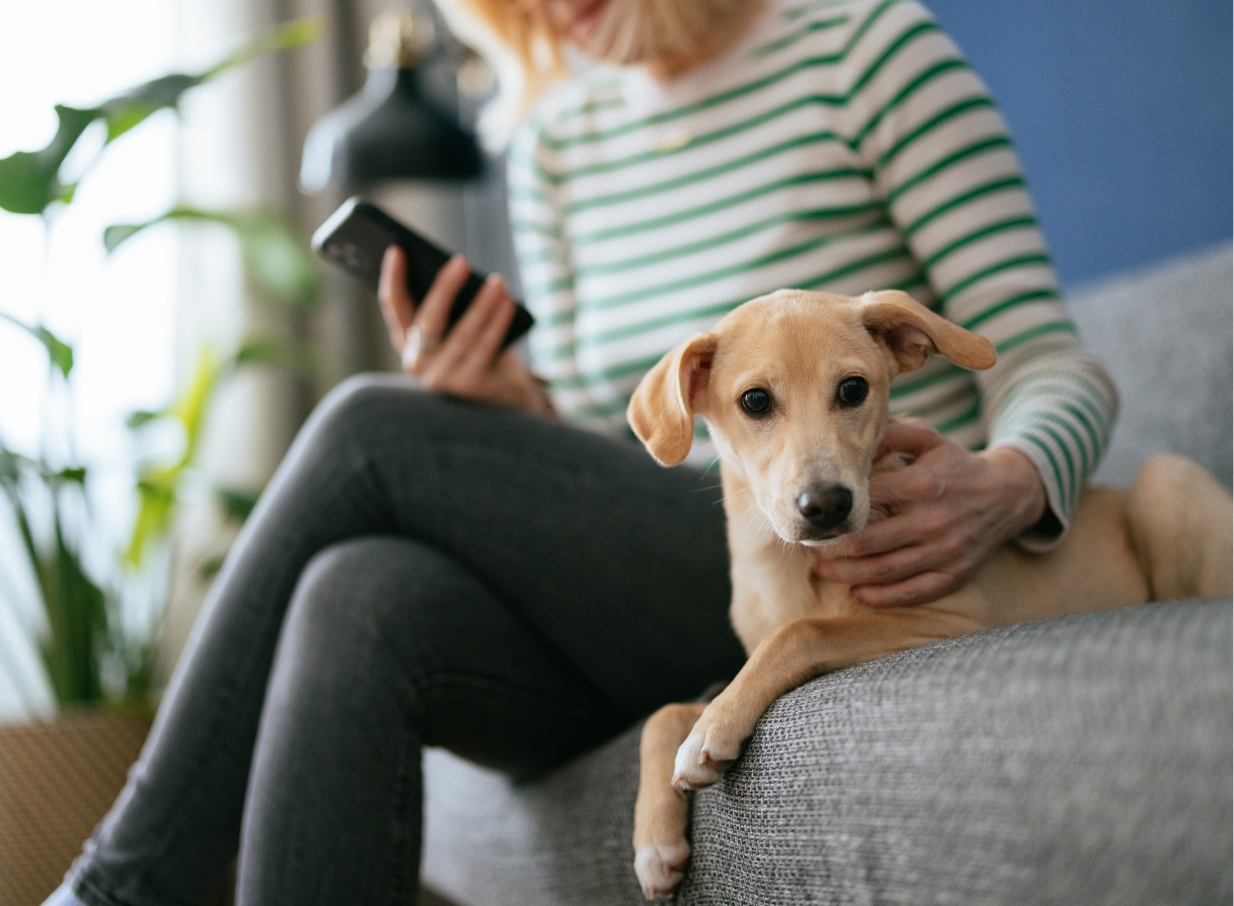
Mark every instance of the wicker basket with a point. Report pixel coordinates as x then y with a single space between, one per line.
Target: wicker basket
57 779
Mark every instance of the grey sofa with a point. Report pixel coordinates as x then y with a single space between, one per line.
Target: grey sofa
1081 760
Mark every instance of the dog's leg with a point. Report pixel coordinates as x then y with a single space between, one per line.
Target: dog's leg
794 653
661 811
1182 526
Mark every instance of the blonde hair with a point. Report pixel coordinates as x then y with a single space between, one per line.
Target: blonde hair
525 53
529 57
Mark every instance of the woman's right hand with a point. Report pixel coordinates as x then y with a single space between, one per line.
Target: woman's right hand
466 360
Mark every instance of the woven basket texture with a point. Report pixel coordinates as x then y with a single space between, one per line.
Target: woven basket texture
57 779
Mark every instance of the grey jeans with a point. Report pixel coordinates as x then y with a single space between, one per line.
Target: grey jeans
420 572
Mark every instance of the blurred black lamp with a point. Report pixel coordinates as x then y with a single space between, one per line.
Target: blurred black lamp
391 129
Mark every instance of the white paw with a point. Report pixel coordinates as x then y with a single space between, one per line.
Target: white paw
660 867
701 761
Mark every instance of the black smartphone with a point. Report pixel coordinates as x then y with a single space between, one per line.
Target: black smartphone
356 236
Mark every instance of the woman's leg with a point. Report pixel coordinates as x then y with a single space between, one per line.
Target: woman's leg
616 565
333 807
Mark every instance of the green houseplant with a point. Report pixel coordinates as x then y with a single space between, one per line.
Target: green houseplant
85 641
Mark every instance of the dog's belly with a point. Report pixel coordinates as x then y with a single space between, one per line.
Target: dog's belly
1095 568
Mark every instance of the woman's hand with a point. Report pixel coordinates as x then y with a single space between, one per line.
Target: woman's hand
466 360
949 509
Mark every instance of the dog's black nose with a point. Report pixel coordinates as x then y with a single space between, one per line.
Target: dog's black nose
825 507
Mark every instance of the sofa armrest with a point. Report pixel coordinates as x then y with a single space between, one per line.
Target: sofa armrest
1079 760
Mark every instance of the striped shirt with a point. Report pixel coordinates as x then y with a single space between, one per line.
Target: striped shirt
839 146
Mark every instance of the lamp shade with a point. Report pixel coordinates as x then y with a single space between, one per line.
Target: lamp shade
391 129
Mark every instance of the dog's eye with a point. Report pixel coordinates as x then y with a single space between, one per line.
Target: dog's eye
756 402
852 391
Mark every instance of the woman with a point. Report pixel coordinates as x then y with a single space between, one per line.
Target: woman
427 571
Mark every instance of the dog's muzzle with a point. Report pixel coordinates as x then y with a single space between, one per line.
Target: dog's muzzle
825 507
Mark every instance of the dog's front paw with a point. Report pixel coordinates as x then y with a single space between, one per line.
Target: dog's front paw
660 867
703 757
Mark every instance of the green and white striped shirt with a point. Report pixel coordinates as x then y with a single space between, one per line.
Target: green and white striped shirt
841 146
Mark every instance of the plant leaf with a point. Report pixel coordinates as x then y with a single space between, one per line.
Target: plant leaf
236 504
157 485
61 353
28 179
10 466
127 110
73 475
210 568
288 35
82 626
76 616
116 234
156 498
276 257
142 417
74 604
190 407
279 352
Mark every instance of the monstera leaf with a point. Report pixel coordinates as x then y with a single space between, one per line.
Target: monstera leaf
30 180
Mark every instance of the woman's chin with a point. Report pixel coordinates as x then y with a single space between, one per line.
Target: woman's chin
582 30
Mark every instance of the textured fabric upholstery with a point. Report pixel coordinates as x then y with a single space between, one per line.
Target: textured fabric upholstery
1083 760
562 839
1079 760
1165 335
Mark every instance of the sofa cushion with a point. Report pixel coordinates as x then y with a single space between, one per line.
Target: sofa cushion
1082 760
1165 334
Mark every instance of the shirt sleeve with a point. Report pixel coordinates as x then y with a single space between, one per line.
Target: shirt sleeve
951 181
545 268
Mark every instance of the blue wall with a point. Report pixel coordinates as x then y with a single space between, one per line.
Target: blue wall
1121 112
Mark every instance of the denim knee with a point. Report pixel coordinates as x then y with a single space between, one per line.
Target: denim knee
376 609
333 614
363 400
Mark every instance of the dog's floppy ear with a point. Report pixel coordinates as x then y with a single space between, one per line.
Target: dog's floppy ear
910 331
661 411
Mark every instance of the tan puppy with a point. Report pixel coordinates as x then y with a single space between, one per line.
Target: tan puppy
794 389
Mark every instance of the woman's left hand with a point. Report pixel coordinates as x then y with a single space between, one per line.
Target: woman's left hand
949 509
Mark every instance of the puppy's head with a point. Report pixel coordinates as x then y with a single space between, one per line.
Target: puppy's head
794 389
